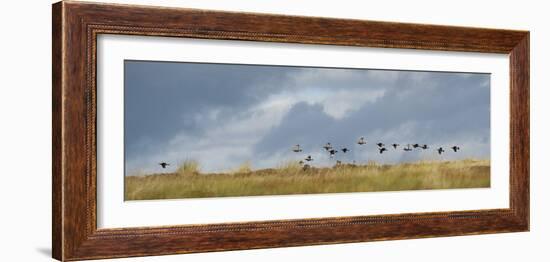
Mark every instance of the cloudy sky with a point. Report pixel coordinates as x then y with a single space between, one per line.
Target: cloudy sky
223 115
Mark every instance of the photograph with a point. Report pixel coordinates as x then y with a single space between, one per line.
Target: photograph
202 130
303 129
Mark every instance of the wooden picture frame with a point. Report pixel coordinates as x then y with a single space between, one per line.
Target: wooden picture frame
76 26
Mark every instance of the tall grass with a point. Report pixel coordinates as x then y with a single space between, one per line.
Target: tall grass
188 168
244 168
291 178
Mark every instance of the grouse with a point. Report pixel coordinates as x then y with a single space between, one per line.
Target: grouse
296 148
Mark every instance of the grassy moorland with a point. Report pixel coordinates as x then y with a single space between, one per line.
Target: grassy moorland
188 182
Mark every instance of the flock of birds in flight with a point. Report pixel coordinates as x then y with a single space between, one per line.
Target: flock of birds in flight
362 141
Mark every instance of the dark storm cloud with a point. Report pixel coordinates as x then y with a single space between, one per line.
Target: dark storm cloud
224 115
453 104
163 98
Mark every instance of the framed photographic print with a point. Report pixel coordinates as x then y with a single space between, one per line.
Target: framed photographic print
183 130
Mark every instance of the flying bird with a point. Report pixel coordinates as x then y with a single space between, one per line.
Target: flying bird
345 150
361 141
408 148
440 150
382 150
416 146
332 152
164 165
424 146
296 148
308 158
380 145
455 148
327 147
395 146
301 162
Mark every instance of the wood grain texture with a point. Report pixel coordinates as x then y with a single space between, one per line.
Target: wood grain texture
57 215
76 26
519 129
